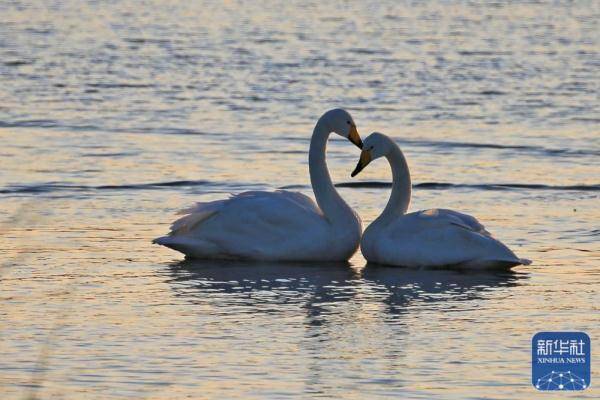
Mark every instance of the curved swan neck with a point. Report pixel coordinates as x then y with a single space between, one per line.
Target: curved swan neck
328 199
401 187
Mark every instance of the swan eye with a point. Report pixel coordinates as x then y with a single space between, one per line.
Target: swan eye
348 122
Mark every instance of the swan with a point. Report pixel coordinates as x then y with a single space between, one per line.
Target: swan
279 225
429 238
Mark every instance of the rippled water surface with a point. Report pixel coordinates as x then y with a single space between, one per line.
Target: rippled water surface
115 115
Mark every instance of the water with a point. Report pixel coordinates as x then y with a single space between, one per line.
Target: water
114 116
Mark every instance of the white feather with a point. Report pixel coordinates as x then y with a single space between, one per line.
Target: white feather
280 225
430 238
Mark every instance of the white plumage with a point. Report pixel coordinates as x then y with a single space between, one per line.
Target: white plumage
430 238
255 225
279 225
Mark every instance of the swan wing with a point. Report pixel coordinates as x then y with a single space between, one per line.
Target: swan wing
440 238
254 225
192 216
457 218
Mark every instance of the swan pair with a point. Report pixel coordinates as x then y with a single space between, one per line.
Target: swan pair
289 226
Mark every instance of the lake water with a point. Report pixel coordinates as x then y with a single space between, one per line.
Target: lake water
114 116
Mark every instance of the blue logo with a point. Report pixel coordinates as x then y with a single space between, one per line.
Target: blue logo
560 361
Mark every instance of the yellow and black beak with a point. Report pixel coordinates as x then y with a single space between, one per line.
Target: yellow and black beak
354 137
363 161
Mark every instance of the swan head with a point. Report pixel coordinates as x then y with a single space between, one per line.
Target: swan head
374 146
340 121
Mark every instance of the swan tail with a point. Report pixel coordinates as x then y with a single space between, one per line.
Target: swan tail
495 263
163 240
190 247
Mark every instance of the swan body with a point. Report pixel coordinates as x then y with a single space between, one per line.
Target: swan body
279 225
430 238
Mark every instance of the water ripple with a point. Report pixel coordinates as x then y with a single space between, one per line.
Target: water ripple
62 187
524 148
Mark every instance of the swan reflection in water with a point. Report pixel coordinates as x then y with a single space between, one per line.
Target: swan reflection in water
326 289
400 288
265 287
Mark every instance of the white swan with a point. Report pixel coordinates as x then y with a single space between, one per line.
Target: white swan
280 225
430 238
